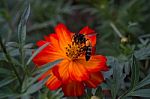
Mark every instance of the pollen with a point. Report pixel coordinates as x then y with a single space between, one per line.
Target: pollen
75 50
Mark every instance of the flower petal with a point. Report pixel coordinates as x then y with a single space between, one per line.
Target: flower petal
41 42
61 71
48 73
90 34
53 83
53 39
96 63
95 79
73 89
86 30
46 55
64 35
77 71
92 39
51 52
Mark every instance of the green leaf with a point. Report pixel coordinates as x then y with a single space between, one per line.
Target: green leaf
48 66
135 70
141 93
6 81
134 73
28 46
89 92
11 44
22 25
99 93
142 53
26 97
5 71
58 94
115 82
144 82
33 80
35 87
6 95
29 82
36 52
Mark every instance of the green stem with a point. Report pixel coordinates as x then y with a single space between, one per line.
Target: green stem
10 60
116 30
21 50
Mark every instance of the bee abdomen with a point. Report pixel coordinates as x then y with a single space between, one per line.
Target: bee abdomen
88 53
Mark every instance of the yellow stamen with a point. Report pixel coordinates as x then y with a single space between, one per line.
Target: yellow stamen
74 50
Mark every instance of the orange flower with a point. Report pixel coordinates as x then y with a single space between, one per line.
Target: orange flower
73 73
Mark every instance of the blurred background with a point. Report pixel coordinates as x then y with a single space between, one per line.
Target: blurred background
131 18
122 27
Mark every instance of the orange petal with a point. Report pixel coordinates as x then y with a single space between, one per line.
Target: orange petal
78 71
96 63
92 39
73 89
64 35
61 71
46 56
90 34
53 39
48 38
53 83
95 79
93 50
86 30
48 73
41 42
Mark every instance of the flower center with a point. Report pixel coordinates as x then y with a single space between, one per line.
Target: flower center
75 50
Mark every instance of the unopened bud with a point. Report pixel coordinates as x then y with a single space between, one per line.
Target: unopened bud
124 40
95 97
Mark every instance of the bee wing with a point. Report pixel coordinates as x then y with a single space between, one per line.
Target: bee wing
91 34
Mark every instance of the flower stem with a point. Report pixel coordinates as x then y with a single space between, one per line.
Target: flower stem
116 30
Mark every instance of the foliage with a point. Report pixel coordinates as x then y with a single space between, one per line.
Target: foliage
123 35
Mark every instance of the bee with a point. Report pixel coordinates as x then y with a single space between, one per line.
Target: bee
88 50
81 39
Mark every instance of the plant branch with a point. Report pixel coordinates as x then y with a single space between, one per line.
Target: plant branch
10 60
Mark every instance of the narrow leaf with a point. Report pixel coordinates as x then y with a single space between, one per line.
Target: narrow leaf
35 87
134 72
35 79
99 92
5 71
26 97
47 66
6 95
36 52
142 53
115 82
22 25
144 82
38 74
6 81
141 93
